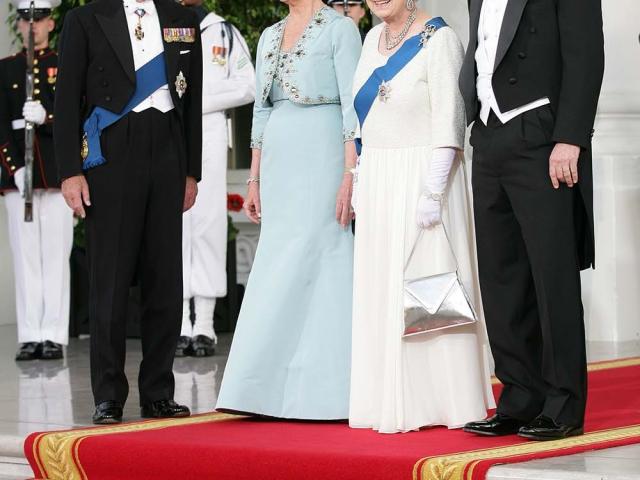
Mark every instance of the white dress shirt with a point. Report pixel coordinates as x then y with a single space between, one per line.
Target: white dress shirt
146 49
491 17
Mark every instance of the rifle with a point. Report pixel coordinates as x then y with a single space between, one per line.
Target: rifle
29 132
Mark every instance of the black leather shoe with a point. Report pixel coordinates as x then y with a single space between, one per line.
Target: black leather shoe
184 348
164 409
29 351
108 413
495 426
203 346
51 351
543 428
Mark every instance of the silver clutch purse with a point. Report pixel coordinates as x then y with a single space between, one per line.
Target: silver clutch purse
435 302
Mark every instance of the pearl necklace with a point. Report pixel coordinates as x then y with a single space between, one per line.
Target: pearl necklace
392 41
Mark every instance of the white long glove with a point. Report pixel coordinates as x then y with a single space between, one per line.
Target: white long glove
429 211
34 112
18 178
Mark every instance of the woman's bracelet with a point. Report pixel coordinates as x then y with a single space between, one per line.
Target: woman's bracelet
352 171
251 180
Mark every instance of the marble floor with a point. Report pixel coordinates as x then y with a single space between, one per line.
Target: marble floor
40 395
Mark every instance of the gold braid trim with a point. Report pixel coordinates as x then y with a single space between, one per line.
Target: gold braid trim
57 453
452 467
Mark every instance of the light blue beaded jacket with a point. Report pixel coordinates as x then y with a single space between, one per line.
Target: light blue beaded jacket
318 70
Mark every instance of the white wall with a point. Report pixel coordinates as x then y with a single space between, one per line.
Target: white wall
612 291
7 299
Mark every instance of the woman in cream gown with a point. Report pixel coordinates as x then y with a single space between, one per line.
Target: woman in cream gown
442 378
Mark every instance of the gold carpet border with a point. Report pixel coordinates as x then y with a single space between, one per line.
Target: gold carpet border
453 466
598 366
57 452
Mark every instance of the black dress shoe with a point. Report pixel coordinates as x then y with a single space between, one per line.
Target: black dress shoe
495 426
544 428
184 348
51 351
29 351
108 413
164 409
203 346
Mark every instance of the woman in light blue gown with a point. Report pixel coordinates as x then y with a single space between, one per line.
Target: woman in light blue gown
290 356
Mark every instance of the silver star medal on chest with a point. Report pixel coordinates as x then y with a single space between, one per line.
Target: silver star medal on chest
384 92
181 84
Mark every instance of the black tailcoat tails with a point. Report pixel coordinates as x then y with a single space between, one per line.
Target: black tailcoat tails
533 240
134 223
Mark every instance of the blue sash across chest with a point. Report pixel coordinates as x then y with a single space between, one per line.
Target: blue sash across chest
368 93
150 77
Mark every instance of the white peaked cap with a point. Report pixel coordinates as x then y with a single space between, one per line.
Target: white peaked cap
26 4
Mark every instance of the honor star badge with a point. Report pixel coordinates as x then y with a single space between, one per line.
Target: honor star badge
384 91
181 84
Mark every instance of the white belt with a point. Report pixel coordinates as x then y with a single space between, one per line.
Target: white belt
18 124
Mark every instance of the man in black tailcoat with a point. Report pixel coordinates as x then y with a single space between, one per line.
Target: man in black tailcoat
128 146
531 81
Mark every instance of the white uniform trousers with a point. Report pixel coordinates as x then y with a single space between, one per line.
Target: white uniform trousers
41 251
204 238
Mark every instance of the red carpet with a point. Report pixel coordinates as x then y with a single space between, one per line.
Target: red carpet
223 447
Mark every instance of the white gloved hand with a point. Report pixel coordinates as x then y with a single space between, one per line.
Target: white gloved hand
18 178
34 112
436 175
429 212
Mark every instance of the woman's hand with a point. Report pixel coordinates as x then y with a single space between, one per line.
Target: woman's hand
252 203
344 214
429 212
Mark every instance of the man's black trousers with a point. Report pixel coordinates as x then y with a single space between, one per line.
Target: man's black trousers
529 269
134 230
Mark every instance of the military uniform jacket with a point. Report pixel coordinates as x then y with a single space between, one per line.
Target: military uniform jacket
12 98
96 69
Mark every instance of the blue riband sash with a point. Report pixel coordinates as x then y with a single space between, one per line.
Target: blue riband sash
369 92
150 77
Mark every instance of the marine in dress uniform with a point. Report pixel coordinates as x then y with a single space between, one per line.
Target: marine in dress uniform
355 9
130 78
40 248
229 81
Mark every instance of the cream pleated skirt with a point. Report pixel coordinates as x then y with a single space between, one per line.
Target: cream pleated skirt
443 378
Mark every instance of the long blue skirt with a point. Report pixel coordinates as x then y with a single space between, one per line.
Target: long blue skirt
290 356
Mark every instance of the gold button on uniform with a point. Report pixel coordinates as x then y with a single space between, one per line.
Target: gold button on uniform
4 150
13 167
36 70
35 61
36 91
36 80
14 86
